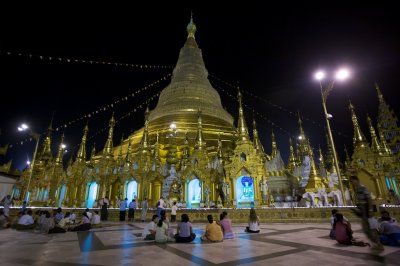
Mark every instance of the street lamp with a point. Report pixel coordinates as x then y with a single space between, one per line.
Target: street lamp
36 136
342 74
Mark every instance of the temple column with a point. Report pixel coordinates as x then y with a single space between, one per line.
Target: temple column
378 186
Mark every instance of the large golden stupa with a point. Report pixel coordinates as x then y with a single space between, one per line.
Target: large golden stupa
190 151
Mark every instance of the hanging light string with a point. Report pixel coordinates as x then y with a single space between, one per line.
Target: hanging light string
253 110
68 60
100 110
113 104
130 113
295 114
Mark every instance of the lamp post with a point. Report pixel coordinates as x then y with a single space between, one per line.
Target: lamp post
340 75
36 136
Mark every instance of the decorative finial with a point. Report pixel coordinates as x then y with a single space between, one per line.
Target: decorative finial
191 27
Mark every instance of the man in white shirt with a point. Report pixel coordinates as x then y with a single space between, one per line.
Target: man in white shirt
149 232
174 208
26 221
96 219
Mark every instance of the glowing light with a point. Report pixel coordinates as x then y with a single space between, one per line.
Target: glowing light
342 74
320 75
300 137
329 116
63 146
23 127
28 162
172 126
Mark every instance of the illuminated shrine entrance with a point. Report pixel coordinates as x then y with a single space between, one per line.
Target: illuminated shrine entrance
245 192
132 190
92 195
62 195
194 193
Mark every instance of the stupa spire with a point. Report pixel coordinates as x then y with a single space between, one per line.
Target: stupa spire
375 145
256 140
200 142
359 139
60 153
81 156
243 132
108 147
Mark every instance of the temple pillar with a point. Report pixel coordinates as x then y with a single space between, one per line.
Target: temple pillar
378 187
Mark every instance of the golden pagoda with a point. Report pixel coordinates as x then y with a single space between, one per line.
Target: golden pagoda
190 151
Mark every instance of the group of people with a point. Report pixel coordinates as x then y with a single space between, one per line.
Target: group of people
159 228
50 222
382 231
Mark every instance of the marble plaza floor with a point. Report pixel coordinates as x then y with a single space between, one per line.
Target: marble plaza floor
119 244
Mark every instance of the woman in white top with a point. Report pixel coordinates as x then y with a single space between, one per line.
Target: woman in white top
254 222
161 232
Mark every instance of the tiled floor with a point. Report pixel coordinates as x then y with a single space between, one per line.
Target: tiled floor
117 244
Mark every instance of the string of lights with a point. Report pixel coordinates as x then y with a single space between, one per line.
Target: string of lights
68 60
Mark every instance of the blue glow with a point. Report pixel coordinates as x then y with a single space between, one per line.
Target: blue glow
387 182
62 195
194 195
132 190
45 194
27 196
244 192
92 195
395 185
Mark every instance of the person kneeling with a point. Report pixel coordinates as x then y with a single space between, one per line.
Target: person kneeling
213 231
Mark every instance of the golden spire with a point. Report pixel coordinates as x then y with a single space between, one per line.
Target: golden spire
375 146
82 147
274 150
191 27
292 158
304 147
185 148
321 157
92 155
156 147
200 142
128 158
46 154
120 159
256 140
314 182
108 147
242 127
359 138
60 151
144 143
385 146
219 150
380 95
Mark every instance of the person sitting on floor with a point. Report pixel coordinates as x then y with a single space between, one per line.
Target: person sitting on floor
226 225
26 221
332 233
213 231
184 233
149 232
84 224
344 233
254 222
390 233
4 221
162 231
96 221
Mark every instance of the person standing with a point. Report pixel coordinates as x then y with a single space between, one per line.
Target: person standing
7 203
104 210
160 206
174 208
122 210
364 204
145 206
131 211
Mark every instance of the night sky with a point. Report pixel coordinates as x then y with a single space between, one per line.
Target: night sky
272 52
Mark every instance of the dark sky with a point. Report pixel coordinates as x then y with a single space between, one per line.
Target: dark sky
271 51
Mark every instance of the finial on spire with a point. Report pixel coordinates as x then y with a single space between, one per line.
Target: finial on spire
191 27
